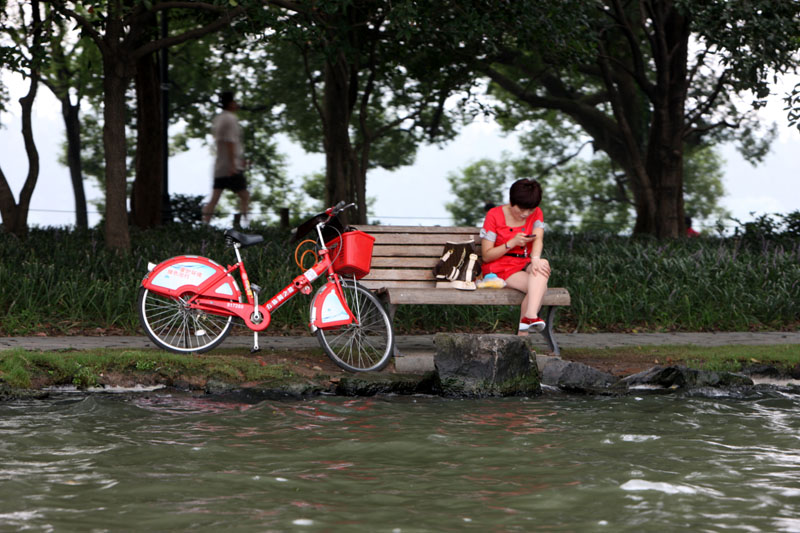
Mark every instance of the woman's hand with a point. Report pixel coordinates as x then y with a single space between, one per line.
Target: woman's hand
540 266
520 240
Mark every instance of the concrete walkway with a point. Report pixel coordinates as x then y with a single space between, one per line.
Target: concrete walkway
413 343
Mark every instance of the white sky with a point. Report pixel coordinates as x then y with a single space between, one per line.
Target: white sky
409 196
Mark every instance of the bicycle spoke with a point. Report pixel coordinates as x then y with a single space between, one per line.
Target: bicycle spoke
174 325
366 344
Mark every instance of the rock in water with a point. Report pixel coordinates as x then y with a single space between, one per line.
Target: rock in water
485 365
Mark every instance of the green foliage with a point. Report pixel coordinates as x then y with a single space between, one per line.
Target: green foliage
753 40
481 184
66 282
624 92
579 194
792 108
186 208
766 229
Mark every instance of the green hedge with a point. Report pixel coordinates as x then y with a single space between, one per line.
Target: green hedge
66 281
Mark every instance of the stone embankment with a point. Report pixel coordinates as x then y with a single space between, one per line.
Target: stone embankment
477 366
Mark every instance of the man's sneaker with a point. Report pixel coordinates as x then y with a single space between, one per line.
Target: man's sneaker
535 324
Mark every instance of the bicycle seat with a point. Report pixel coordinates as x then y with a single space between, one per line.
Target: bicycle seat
243 238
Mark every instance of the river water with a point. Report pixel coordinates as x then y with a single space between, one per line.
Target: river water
162 461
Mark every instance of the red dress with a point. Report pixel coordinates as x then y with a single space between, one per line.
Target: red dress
497 231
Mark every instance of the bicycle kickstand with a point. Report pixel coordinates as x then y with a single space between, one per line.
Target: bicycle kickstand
256 289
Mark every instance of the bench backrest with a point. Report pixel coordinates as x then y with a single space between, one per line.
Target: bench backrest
404 256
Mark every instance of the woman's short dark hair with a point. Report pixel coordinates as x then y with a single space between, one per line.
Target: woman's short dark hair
525 193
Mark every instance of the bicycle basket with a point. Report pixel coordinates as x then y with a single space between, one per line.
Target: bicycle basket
352 253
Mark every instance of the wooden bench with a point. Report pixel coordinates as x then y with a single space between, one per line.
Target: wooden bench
402 273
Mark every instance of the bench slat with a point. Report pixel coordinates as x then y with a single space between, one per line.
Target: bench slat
420 229
554 296
404 262
420 238
377 285
407 251
400 274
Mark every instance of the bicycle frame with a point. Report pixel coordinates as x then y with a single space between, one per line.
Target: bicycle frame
207 296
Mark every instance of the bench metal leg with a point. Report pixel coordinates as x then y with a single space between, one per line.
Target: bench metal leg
391 309
548 333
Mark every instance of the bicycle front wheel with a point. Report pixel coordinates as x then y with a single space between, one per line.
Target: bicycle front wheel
365 345
174 326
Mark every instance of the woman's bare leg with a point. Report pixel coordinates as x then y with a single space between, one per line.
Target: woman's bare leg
537 286
534 285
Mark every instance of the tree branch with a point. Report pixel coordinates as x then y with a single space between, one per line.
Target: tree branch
702 109
313 88
563 160
85 24
569 105
638 72
226 18
287 4
705 129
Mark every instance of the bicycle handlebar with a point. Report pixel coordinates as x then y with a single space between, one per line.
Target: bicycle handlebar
338 208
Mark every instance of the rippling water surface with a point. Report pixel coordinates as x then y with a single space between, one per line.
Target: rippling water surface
166 462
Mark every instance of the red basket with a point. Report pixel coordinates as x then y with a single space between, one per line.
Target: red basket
352 253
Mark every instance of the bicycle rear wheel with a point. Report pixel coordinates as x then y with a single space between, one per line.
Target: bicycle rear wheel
175 327
366 345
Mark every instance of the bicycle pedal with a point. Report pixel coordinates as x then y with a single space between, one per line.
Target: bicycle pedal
255 349
255 288
200 333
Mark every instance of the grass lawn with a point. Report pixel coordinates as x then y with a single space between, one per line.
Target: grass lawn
21 368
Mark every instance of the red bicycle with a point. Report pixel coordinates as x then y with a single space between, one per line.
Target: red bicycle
187 303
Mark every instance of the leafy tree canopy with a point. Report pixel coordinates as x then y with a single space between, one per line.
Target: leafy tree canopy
580 193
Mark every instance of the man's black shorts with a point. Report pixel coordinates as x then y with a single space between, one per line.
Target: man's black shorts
235 183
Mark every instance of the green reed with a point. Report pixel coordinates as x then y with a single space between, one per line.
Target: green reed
623 284
67 281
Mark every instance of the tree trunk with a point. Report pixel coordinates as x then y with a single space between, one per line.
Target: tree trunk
652 158
72 123
146 196
342 166
114 84
15 215
665 146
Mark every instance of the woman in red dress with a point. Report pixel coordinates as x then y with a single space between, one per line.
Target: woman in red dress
511 247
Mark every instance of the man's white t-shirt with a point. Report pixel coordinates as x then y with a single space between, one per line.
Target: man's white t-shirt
225 128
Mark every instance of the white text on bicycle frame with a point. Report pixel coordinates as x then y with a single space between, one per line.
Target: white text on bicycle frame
280 298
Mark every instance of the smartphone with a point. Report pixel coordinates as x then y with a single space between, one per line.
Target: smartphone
529 235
